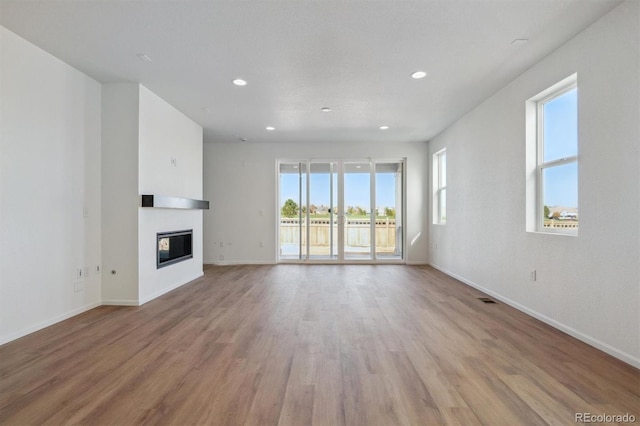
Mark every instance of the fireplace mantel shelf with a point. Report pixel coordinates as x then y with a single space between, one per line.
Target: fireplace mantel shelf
167 202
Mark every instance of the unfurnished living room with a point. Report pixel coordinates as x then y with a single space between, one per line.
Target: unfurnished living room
223 212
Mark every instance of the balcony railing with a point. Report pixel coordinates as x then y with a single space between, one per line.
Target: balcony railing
357 233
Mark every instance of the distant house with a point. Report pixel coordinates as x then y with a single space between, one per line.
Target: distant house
564 215
321 209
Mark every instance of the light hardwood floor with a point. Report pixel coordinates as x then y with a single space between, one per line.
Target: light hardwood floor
322 345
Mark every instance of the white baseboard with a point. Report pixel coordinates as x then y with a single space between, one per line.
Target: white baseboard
416 263
623 356
44 324
240 262
120 302
262 262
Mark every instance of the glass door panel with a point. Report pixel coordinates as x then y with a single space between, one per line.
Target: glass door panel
357 201
388 229
292 199
340 210
322 211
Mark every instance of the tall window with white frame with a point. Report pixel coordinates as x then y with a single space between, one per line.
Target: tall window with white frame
440 187
556 153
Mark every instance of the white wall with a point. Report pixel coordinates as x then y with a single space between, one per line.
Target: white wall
240 180
49 181
588 286
165 134
120 199
142 134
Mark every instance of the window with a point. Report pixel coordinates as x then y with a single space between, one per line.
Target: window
552 151
440 187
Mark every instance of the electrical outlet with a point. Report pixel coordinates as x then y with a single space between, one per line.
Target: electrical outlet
79 273
533 275
97 269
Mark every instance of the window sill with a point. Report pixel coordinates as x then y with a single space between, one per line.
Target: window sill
562 234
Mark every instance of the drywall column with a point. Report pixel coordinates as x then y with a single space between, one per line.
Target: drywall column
120 200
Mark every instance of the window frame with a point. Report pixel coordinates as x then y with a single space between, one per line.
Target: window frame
535 136
438 187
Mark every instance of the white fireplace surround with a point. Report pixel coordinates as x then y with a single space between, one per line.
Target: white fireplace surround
164 152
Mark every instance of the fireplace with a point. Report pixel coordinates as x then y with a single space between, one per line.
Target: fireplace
173 247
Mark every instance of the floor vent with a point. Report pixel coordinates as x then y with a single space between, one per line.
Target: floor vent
486 300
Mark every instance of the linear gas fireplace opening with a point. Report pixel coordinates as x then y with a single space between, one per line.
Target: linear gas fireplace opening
174 247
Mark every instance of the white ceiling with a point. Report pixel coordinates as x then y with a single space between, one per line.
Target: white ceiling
355 56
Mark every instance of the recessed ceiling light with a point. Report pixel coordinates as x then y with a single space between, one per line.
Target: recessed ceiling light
143 57
242 139
384 127
239 82
270 128
418 74
325 109
519 41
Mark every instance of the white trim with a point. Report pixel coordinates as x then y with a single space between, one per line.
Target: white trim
605 347
558 162
416 263
346 262
44 324
307 221
373 209
557 89
276 243
241 262
341 218
120 302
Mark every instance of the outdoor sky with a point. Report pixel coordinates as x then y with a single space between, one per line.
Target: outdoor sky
356 189
561 140
561 183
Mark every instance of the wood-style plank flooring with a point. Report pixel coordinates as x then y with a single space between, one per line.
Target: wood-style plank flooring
300 345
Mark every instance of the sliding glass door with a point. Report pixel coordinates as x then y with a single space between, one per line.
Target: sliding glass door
358 211
340 211
323 210
293 224
388 228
